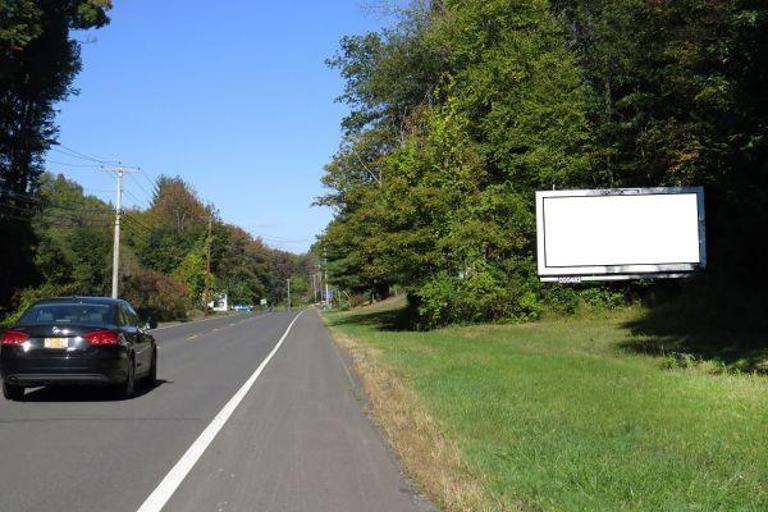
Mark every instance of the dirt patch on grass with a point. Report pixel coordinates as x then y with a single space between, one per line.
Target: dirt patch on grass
395 302
431 460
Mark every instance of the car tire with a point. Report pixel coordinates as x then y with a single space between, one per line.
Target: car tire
13 392
152 375
127 388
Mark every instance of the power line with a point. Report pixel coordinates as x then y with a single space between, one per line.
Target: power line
73 153
40 208
148 222
152 183
15 217
43 208
105 210
136 234
37 200
150 225
141 227
19 208
136 222
47 216
140 201
149 195
67 164
78 157
59 226
24 197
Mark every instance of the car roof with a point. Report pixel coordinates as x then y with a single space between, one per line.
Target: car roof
106 301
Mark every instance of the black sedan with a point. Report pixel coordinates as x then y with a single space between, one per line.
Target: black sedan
78 340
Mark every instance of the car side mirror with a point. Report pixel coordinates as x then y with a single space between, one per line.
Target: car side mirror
151 323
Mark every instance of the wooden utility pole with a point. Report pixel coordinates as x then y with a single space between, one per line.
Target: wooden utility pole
289 292
327 300
119 172
208 279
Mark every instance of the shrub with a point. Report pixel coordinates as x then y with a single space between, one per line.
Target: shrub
603 298
484 294
560 298
155 294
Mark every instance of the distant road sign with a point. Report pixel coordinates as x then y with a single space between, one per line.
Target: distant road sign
263 302
602 235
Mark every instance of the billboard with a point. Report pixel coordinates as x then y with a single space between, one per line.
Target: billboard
601 235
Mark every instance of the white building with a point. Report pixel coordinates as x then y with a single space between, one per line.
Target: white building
220 302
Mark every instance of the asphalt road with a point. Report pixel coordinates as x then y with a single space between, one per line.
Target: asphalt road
294 437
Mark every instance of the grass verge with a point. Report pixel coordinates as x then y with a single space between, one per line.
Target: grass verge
559 415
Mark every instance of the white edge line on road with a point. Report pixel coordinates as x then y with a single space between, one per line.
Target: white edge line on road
165 489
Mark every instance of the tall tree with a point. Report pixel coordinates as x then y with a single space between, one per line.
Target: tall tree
680 97
447 208
38 62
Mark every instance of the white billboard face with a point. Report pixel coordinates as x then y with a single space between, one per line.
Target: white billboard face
623 233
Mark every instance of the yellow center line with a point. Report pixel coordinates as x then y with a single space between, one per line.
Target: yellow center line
192 336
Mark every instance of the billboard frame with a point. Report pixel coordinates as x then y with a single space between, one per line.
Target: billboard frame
601 272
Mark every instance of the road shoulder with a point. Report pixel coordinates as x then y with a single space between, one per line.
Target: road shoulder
299 441
430 460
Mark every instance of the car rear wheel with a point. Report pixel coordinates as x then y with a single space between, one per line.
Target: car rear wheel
13 392
127 388
152 375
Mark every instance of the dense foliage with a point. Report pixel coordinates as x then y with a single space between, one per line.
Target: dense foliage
464 108
165 250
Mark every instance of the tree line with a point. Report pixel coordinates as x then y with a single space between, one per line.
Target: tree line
461 109
176 254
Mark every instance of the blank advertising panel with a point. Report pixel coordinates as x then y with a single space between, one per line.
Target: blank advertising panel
624 233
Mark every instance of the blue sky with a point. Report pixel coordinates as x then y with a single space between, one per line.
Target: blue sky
233 96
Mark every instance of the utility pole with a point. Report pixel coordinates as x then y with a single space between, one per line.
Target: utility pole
314 287
327 299
119 172
289 292
207 291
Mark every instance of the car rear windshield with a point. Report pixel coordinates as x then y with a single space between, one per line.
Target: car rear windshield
84 314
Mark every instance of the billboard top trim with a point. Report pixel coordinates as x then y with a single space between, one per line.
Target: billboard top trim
620 191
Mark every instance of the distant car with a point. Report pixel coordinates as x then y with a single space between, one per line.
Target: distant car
76 340
241 307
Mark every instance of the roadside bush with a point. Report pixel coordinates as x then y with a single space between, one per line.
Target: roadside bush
155 294
687 361
603 298
560 299
483 294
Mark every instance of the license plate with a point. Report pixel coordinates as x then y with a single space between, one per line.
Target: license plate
56 343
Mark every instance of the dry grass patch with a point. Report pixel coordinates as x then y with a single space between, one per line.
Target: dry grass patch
428 457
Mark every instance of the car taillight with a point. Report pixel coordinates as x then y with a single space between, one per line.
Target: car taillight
101 338
14 338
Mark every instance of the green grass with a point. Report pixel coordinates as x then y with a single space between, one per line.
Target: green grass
560 415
